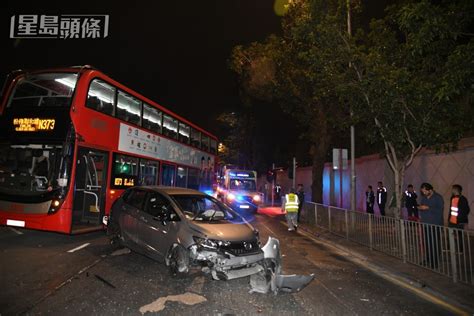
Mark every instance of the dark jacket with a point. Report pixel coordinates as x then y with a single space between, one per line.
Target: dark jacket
410 200
381 195
369 197
463 209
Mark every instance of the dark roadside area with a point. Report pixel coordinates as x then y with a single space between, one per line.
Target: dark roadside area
458 297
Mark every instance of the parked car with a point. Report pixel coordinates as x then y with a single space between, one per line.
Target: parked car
186 228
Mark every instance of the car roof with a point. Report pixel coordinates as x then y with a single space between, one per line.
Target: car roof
172 190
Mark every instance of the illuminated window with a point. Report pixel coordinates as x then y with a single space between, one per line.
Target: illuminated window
152 118
184 133
128 108
170 126
101 97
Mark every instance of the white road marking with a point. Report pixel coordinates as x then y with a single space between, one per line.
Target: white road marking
16 231
80 247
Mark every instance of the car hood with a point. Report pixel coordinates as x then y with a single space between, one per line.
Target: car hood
225 231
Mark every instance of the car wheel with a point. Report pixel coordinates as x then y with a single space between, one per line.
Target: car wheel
115 235
178 260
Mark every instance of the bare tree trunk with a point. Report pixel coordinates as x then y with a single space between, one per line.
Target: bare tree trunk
398 174
319 148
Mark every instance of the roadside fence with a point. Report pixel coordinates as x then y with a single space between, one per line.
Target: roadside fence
444 250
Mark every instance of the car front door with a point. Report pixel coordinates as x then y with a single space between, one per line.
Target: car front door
158 225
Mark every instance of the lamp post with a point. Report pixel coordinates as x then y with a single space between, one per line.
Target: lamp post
353 174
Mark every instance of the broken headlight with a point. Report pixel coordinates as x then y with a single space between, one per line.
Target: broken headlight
210 243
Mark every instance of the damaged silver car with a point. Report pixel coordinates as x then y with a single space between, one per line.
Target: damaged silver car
187 229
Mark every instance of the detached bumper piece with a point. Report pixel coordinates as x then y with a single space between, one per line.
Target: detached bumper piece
270 279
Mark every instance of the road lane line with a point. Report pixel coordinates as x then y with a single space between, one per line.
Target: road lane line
16 231
80 247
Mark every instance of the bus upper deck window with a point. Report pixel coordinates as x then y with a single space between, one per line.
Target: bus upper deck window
101 97
184 133
152 118
128 108
46 89
170 126
195 138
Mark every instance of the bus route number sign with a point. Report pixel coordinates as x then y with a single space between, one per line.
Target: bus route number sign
33 124
124 181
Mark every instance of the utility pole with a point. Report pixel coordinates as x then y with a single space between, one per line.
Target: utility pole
294 173
353 174
273 184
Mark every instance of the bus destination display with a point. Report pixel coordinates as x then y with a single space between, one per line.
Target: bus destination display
33 124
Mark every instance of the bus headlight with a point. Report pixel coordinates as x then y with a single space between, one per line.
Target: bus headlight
256 198
55 205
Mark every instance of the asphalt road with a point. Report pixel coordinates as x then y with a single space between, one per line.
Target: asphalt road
49 274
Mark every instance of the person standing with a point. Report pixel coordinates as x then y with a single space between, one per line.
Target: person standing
290 205
431 207
411 204
369 200
300 194
381 197
458 213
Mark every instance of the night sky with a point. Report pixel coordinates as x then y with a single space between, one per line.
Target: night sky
174 52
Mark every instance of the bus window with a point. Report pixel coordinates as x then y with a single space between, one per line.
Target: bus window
124 171
128 108
148 172
49 90
184 131
195 138
151 118
101 97
205 143
213 146
170 126
167 175
181 177
193 178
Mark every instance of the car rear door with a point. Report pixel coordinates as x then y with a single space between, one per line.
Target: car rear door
157 235
131 208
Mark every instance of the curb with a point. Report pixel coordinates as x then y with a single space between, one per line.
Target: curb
417 287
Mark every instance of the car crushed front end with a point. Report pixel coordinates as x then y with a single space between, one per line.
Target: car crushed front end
227 260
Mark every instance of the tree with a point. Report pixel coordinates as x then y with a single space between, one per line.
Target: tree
412 71
288 70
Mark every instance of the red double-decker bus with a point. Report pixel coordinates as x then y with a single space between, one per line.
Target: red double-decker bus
72 139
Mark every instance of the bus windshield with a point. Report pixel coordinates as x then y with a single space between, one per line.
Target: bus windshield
48 90
33 169
243 184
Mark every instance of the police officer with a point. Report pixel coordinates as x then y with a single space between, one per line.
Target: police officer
381 197
411 204
369 200
290 205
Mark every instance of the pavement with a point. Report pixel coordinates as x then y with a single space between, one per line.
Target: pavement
455 297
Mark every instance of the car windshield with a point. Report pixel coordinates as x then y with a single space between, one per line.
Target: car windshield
244 185
49 90
204 208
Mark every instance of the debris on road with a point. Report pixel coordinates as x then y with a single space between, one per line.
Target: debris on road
159 304
119 252
271 279
104 280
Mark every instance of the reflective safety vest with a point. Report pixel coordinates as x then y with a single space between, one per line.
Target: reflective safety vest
453 219
291 203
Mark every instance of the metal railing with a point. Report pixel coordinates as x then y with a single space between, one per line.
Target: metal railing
444 250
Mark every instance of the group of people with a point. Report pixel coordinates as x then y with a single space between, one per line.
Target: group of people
431 204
